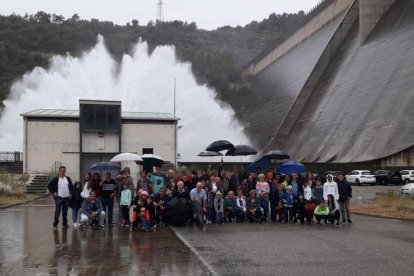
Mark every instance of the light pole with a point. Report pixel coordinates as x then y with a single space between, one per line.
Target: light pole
178 158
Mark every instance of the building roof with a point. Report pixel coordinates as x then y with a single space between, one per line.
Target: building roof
65 113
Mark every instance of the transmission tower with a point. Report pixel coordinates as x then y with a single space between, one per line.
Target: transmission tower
160 11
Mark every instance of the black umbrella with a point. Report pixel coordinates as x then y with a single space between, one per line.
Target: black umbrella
209 154
241 150
151 160
276 154
177 211
220 145
105 166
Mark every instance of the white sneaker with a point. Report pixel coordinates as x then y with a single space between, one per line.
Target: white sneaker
75 225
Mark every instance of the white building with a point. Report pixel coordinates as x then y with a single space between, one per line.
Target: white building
94 133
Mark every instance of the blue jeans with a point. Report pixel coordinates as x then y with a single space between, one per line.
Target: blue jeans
108 203
145 222
264 202
61 205
75 215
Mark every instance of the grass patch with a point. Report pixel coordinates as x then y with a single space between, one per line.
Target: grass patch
13 188
391 204
8 197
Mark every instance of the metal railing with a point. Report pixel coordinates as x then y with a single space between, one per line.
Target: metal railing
55 168
11 156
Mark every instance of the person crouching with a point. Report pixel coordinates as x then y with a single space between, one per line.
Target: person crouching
321 212
254 213
299 205
92 212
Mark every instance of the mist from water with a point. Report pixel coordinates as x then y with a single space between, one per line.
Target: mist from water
143 83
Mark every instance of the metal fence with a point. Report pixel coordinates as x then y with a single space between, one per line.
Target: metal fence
11 156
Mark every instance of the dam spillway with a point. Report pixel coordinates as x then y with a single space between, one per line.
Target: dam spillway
343 94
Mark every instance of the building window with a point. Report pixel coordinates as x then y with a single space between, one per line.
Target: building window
147 151
100 118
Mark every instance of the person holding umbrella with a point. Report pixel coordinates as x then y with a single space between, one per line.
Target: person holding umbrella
236 179
95 184
109 191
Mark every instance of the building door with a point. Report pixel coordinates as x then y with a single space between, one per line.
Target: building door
88 159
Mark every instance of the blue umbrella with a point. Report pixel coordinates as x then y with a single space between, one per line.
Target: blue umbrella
105 166
291 167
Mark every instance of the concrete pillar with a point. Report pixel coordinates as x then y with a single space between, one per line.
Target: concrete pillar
370 13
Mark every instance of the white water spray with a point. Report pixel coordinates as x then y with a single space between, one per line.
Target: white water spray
142 82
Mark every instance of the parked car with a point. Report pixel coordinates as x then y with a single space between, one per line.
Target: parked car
407 189
385 177
407 176
359 177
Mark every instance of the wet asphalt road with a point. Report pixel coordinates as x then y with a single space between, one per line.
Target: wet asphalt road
28 246
370 246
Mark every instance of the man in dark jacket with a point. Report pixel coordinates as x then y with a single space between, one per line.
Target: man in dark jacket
61 188
297 189
345 193
236 179
273 196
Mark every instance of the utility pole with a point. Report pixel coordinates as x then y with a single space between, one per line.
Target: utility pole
160 11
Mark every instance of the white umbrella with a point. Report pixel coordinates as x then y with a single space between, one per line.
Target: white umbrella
126 157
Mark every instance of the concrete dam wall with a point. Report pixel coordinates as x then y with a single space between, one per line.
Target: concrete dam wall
343 94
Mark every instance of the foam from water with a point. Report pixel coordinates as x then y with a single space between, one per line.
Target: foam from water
141 82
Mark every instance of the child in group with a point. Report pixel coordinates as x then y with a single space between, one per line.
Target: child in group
288 204
321 212
138 203
218 208
126 198
146 214
317 192
75 203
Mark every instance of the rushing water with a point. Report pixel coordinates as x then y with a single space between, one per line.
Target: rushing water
142 82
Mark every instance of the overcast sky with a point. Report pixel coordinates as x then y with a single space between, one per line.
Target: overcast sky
208 14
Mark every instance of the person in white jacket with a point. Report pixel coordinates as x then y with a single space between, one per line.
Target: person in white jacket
330 187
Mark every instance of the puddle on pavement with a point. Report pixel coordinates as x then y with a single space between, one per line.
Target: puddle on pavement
28 245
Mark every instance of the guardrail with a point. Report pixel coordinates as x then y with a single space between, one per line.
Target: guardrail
55 168
11 156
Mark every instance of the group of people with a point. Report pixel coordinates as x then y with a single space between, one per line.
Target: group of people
211 197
